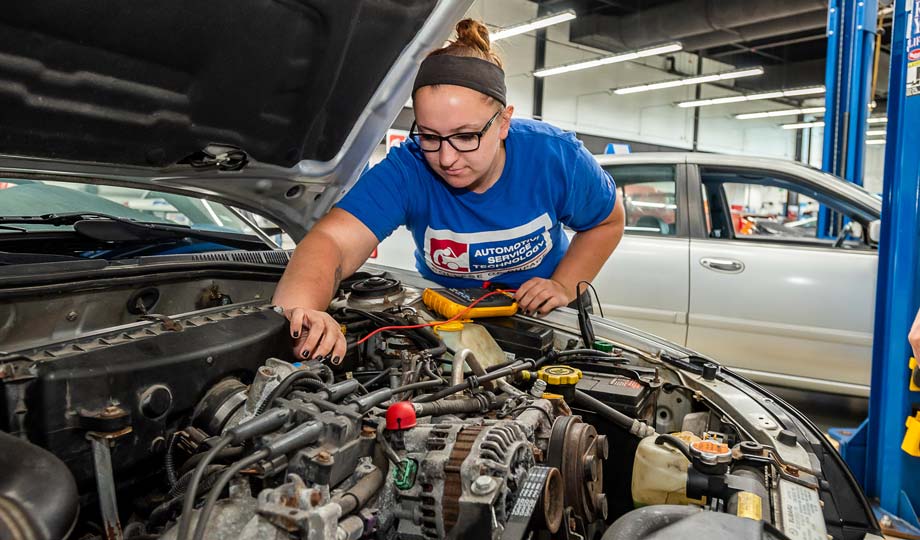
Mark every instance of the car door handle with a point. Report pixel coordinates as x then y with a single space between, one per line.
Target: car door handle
723 265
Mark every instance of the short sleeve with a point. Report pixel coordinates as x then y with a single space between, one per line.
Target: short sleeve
590 194
379 199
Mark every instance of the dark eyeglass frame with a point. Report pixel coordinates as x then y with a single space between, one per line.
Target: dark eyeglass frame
413 134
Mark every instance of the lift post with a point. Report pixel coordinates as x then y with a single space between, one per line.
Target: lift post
851 31
892 474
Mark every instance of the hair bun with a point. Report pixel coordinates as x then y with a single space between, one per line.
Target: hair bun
474 34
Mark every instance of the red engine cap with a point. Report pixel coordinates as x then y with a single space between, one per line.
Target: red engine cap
401 415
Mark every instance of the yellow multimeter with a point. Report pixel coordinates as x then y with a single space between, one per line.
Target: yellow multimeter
451 302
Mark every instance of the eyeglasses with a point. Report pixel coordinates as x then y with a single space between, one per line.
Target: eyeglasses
461 142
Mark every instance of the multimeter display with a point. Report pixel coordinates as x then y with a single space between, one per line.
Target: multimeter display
450 302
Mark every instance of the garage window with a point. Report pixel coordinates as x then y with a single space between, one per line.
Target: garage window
649 195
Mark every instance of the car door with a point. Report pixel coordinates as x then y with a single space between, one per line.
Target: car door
770 297
645 283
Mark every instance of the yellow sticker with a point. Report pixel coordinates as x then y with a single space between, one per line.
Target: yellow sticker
750 506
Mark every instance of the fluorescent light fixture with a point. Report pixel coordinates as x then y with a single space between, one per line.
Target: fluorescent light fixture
603 61
702 79
877 119
875 141
782 112
803 125
875 132
754 97
535 24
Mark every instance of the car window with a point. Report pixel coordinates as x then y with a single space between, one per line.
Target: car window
649 195
745 205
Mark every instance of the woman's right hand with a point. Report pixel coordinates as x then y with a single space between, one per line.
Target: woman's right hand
316 334
914 337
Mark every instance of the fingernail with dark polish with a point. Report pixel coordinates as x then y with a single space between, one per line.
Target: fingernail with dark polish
336 359
296 334
305 354
318 357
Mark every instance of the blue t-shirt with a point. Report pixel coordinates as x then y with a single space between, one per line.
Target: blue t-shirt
510 233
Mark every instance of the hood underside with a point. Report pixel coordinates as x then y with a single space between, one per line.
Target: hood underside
141 93
151 83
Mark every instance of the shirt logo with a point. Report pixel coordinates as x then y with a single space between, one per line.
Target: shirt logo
487 254
449 255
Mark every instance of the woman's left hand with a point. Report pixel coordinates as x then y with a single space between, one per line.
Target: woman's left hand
539 295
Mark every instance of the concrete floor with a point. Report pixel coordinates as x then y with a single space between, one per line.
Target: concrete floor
826 410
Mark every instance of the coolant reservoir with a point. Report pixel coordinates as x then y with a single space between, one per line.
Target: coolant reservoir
660 472
459 336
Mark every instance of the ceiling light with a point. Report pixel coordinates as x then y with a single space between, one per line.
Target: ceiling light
603 61
782 112
875 132
535 24
877 119
754 97
875 141
702 79
803 125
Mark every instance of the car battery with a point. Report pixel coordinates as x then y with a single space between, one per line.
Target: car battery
520 338
628 394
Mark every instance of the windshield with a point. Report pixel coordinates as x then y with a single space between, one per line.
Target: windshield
35 197
216 226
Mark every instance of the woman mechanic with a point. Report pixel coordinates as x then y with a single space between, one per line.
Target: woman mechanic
484 195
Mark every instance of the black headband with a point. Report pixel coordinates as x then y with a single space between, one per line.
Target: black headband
474 73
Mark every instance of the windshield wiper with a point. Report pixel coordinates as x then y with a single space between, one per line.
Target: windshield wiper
109 228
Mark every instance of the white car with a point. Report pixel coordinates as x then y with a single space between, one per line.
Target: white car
721 255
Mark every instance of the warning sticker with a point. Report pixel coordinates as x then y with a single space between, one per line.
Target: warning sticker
750 505
801 517
913 50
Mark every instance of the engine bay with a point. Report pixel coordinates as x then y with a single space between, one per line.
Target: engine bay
204 425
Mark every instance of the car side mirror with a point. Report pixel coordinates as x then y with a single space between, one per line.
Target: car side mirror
875 232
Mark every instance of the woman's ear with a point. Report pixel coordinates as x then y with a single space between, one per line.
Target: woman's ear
506 120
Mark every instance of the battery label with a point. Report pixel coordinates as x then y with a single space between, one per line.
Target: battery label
626 383
802 518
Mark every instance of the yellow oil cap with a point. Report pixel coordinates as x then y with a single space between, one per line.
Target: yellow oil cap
455 326
559 375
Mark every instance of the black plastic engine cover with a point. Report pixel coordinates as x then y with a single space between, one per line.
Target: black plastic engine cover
57 406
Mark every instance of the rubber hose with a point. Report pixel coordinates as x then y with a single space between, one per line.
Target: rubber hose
227 453
609 413
416 386
676 443
182 483
474 381
282 388
360 493
170 462
645 521
457 406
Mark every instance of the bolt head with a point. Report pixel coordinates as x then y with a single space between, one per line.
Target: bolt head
323 456
482 485
72 316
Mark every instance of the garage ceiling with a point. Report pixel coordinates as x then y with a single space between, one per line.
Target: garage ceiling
787 37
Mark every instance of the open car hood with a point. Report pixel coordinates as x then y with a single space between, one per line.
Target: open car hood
269 105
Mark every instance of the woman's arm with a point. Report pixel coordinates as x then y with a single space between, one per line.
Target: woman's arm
587 253
336 246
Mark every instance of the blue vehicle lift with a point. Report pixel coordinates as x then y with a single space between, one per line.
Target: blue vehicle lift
884 453
851 37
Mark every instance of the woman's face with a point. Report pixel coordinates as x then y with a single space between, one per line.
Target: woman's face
447 109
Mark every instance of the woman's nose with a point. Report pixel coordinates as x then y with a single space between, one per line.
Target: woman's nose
447 155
